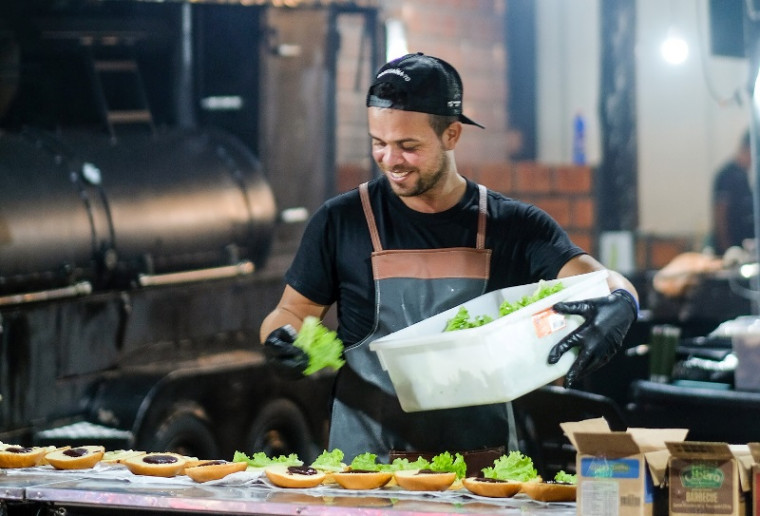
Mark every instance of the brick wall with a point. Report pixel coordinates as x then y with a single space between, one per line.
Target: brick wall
467 33
566 192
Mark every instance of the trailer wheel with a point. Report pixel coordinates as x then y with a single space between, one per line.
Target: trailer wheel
280 429
184 431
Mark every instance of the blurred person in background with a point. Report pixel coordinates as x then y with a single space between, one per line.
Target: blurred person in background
732 204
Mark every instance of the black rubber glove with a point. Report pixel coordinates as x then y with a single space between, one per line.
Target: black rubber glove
287 360
607 320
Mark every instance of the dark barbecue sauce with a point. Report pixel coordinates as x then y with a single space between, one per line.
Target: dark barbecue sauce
360 471
491 480
75 452
17 449
301 470
159 459
427 472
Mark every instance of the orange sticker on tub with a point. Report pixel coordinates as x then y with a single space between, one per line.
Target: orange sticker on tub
547 322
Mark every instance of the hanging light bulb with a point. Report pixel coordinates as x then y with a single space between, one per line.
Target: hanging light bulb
674 49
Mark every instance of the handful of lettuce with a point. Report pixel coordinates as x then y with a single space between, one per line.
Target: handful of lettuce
513 466
462 319
261 460
322 346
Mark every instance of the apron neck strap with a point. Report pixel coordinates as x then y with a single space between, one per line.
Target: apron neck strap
367 207
377 246
480 243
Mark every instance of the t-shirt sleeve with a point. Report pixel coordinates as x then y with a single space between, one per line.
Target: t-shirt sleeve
549 247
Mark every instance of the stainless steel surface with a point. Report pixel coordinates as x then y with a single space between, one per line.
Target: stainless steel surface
167 496
76 208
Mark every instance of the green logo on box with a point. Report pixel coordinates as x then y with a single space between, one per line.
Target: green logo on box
610 468
702 476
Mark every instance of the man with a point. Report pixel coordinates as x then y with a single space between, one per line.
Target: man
732 200
417 241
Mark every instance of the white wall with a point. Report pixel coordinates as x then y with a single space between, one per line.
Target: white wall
567 72
684 130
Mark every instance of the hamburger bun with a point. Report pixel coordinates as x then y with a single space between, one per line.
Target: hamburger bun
424 479
550 491
208 470
81 457
119 456
21 456
360 479
48 451
156 464
294 476
492 487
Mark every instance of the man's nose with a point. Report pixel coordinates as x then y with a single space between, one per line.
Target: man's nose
392 156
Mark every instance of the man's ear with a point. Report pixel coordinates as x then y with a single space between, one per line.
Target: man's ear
451 135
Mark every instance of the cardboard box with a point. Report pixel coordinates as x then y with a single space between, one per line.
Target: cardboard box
754 449
708 478
615 469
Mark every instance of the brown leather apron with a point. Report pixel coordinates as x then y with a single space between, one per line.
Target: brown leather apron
411 285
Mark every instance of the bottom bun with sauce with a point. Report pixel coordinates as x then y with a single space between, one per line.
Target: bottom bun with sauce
207 470
424 480
156 464
492 487
21 457
550 491
294 476
80 457
360 479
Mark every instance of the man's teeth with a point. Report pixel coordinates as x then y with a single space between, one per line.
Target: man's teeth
399 175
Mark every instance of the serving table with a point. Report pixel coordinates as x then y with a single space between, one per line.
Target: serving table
110 491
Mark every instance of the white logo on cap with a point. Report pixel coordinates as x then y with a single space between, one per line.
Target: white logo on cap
454 103
395 71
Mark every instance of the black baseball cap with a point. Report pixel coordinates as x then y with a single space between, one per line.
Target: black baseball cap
418 82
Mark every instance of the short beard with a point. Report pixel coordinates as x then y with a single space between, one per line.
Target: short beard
425 184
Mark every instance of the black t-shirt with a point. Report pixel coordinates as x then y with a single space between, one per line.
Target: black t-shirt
333 261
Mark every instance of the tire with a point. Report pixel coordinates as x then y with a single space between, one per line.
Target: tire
184 431
281 429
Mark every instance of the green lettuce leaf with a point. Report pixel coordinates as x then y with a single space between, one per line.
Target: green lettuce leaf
445 462
322 346
542 290
366 462
404 464
567 478
513 466
462 321
329 461
260 459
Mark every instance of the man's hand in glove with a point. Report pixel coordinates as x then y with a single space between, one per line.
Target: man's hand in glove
287 360
607 320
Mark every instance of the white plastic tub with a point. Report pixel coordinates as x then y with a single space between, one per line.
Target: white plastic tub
497 362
